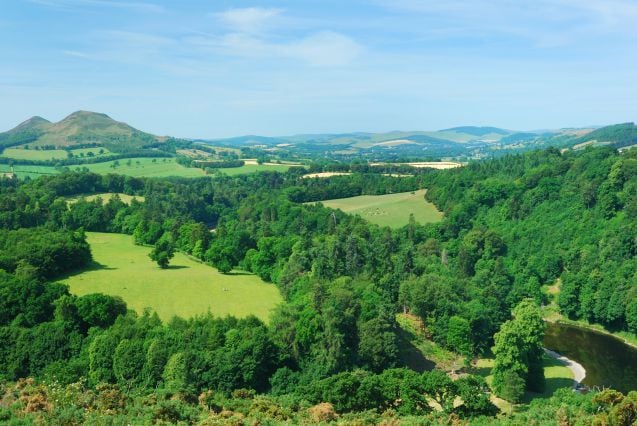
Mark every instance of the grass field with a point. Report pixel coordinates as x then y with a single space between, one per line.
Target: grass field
95 151
36 155
391 210
253 168
106 196
53 154
145 167
186 289
139 167
557 376
31 171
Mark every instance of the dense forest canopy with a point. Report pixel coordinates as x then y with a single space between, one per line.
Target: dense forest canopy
512 225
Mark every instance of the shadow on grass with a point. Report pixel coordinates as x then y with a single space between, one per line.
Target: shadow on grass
479 371
96 266
410 355
177 267
93 266
551 384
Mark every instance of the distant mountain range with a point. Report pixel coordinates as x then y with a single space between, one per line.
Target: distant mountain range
458 142
83 128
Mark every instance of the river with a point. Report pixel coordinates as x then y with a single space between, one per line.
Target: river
608 361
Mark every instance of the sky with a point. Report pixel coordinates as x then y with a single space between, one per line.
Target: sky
208 69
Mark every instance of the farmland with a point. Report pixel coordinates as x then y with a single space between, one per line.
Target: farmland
141 167
148 167
391 210
35 155
125 198
186 289
253 168
23 171
53 154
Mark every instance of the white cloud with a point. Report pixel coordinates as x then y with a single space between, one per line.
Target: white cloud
248 36
249 20
324 48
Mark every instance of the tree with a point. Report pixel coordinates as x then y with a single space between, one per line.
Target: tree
378 347
164 251
518 353
459 336
128 360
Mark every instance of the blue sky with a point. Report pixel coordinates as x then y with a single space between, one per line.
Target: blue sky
224 68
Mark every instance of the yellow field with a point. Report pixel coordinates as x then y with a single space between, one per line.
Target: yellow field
391 210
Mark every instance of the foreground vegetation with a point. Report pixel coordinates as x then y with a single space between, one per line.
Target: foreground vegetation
333 350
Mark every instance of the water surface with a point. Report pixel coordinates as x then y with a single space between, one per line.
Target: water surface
608 361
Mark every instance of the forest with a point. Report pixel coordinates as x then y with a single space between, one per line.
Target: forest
330 352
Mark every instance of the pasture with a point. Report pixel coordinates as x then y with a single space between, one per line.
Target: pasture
391 210
35 155
186 289
143 167
253 168
23 171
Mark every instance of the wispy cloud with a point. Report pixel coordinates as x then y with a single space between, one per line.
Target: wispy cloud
546 23
323 48
248 20
138 6
252 32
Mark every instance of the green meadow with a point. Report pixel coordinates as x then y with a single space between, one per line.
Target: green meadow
143 167
53 154
23 171
253 168
391 210
186 289
35 155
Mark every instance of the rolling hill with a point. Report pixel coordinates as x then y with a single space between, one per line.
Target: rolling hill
81 128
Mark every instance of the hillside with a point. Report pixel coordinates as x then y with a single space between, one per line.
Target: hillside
617 135
79 129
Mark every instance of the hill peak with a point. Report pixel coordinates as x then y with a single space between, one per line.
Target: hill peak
35 122
81 114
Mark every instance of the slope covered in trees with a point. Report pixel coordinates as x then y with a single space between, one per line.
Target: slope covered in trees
512 225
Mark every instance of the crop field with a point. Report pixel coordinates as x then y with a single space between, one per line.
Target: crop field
146 167
187 288
106 196
391 210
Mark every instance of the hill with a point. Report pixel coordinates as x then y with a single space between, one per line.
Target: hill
79 129
478 131
617 136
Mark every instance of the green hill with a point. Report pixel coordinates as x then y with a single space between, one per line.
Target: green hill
78 129
617 135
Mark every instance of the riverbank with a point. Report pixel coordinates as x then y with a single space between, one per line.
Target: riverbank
579 372
626 338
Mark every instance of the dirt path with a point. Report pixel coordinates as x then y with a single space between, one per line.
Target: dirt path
579 373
